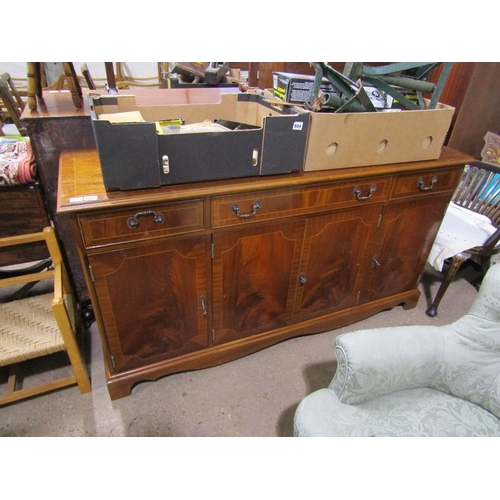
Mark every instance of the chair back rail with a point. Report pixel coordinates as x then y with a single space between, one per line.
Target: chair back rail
479 190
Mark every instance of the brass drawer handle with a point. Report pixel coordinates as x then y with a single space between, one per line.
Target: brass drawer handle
133 222
421 184
255 208
357 192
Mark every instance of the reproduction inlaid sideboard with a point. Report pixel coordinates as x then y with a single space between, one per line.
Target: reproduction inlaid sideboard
190 276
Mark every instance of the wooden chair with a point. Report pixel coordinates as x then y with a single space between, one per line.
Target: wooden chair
12 103
40 325
88 77
35 87
473 216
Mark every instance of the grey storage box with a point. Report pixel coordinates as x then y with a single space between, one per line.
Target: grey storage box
144 146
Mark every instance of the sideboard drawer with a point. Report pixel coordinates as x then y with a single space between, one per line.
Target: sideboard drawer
236 209
426 182
141 223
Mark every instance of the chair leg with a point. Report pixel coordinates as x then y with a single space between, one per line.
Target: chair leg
34 84
73 84
485 263
456 262
13 378
75 357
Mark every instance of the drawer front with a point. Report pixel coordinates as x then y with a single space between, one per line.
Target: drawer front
426 182
236 209
144 222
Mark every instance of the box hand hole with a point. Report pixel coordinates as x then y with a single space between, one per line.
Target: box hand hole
332 149
255 158
427 142
382 145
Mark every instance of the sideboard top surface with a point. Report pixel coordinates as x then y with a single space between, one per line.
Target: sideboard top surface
81 186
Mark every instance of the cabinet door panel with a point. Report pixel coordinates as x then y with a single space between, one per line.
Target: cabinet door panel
405 238
255 276
150 300
334 246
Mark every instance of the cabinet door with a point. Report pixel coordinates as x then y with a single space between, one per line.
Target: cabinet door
152 300
404 239
255 273
334 246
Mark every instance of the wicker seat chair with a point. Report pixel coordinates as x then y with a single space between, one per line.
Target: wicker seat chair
40 325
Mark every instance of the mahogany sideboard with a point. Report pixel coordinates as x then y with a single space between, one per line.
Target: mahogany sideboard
190 276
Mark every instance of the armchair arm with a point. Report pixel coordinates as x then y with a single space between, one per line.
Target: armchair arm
374 362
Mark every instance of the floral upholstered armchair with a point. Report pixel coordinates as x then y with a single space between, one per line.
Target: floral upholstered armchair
415 380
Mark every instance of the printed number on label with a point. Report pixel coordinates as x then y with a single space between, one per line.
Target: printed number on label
297 126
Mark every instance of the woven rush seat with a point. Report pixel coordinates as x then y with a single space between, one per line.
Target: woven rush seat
39 325
28 329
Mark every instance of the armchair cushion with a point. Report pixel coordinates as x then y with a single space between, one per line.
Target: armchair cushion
413 412
415 380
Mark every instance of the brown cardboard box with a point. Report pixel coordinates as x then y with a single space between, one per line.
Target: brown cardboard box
339 140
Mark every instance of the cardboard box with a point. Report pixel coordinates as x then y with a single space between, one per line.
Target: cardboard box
340 140
295 88
143 154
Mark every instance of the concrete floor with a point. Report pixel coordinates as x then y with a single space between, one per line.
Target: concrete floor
253 396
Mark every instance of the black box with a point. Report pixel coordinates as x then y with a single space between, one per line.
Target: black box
298 89
258 139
